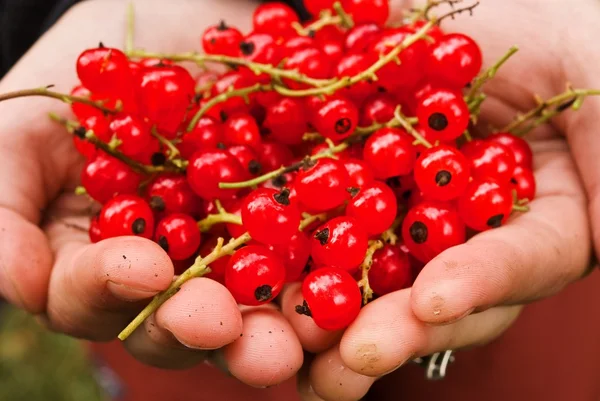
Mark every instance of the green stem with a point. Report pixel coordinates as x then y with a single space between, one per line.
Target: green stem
369 73
129 34
520 208
69 99
365 268
173 151
223 97
212 219
310 219
488 74
419 139
198 269
257 68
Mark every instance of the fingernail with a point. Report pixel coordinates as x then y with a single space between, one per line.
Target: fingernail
127 293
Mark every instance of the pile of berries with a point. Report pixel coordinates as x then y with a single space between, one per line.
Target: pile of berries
355 208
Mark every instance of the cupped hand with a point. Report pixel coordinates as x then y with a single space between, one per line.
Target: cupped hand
471 293
92 291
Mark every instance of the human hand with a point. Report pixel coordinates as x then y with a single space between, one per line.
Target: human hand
471 293
93 291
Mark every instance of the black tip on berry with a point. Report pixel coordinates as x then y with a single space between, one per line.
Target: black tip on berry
222 26
514 181
263 293
393 182
247 48
418 232
353 191
437 121
303 309
138 226
495 221
311 33
157 204
283 197
223 116
406 195
254 167
343 125
164 244
80 132
279 181
221 146
101 45
381 89
322 236
158 159
443 178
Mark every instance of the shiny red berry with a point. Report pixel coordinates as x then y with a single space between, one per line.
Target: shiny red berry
442 173
133 133
374 206
254 275
273 155
350 65
486 204
104 70
104 177
359 38
171 193
207 134
232 80
322 186
454 60
260 48
126 215
360 173
332 298
519 147
336 119
311 62
295 254
241 129
269 216
221 39
247 158
430 228
378 108
523 181
389 152
219 266
491 159
390 271
286 121
164 94
368 11
316 6
178 235
275 18
341 242
443 114
333 50
94 231
207 168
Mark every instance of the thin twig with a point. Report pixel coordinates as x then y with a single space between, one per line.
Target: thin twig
69 99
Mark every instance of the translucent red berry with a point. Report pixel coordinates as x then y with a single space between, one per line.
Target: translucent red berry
454 60
286 121
241 129
269 216
104 70
273 155
322 186
247 159
336 119
430 228
389 152
133 133
373 206
443 114
519 147
295 254
390 271
221 39
442 173
207 134
104 177
332 298
486 204
178 235
491 159
316 6
523 181
126 215
170 193
207 168
254 275
260 48
275 18
359 38
341 242
311 62
360 173
219 266
94 231
353 64
368 11
378 108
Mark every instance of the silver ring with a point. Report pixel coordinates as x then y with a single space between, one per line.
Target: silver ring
436 365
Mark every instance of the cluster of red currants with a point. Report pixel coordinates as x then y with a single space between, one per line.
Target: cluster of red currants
366 205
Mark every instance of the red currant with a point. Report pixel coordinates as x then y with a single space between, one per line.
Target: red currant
389 152
322 186
104 177
316 6
247 159
519 147
373 206
231 80
126 215
443 114
207 134
207 168
454 60
359 38
442 173
94 231
332 298
171 193
254 275
219 266
341 242
104 70
310 62
486 204
295 254
273 155
133 132
378 108
178 235
491 159
275 19
336 119
333 49
430 228
360 173
352 64
523 181
297 43
260 48
368 11
286 121
270 217
390 271
241 129
222 39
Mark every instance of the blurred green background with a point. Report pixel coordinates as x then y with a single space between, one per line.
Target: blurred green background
37 365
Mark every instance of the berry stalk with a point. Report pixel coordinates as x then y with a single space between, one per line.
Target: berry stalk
369 73
327 18
69 99
367 291
212 219
473 98
405 123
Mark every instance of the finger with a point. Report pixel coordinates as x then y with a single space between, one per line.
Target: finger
268 352
202 316
386 334
95 289
312 338
331 379
535 255
303 386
